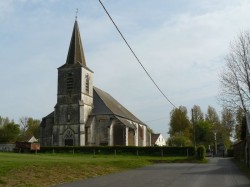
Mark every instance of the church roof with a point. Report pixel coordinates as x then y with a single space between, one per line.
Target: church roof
75 53
126 122
106 104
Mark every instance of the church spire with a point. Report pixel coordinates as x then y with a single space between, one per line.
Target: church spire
75 53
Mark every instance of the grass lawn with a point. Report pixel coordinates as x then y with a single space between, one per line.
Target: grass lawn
47 169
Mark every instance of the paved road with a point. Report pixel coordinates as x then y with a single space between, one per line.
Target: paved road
219 172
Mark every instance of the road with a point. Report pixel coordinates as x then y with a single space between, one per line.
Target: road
219 172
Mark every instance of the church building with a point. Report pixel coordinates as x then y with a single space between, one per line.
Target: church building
85 115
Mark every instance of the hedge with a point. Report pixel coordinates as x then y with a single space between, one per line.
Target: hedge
201 152
122 150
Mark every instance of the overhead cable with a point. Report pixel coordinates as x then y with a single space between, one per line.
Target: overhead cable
136 56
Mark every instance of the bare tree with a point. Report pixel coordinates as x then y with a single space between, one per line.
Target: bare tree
29 127
235 77
23 123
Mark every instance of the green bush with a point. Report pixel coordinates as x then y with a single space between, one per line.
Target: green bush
201 152
123 150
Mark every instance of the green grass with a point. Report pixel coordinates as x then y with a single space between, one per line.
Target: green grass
47 169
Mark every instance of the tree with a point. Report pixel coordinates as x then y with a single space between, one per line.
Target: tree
180 125
23 122
227 126
213 121
227 121
203 128
235 77
243 127
4 121
197 118
29 127
212 116
9 132
204 133
179 122
178 140
33 127
238 126
197 114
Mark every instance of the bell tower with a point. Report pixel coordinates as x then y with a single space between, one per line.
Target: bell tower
74 96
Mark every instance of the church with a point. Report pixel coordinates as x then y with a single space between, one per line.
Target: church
85 115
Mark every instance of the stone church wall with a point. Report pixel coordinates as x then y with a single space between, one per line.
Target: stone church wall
46 129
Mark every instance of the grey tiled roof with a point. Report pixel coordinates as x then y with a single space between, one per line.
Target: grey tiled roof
106 104
125 122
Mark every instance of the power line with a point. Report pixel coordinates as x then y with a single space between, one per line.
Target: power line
136 56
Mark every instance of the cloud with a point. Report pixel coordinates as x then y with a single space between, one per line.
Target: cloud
182 47
183 54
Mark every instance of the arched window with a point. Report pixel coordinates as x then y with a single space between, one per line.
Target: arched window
68 118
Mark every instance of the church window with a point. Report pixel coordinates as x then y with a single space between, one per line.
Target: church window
69 134
70 81
87 84
68 117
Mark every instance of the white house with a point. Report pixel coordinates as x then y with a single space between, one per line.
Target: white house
157 140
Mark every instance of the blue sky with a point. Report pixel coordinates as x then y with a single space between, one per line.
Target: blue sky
182 44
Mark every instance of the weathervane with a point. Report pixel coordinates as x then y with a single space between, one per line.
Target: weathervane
76 13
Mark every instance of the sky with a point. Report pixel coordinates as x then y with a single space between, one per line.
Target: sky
181 43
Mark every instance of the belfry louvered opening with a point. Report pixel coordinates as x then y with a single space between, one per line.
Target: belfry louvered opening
70 82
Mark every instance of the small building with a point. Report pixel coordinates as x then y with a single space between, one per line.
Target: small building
157 140
85 115
32 139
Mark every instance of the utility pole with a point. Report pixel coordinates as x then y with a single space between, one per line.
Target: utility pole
193 127
215 142
194 142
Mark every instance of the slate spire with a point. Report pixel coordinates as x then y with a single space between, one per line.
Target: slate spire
75 53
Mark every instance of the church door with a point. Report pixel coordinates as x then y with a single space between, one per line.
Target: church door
68 142
68 138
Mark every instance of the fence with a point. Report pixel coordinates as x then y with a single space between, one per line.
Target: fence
242 151
7 147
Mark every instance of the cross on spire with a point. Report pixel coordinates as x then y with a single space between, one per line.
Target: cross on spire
76 13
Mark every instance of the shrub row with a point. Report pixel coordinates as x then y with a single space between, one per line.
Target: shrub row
123 150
